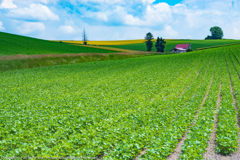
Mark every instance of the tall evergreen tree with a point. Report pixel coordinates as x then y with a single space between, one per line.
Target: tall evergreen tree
84 37
160 44
149 43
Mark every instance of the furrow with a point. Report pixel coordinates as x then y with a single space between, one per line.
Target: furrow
173 132
197 137
211 149
178 151
227 131
192 81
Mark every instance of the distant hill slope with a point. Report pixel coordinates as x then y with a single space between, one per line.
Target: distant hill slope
11 44
196 44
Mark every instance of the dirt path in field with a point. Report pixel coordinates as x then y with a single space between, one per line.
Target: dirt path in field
211 149
178 150
106 48
142 153
22 56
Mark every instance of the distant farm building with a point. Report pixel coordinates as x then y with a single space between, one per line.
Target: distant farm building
181 48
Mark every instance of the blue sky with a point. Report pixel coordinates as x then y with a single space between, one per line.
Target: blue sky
119 19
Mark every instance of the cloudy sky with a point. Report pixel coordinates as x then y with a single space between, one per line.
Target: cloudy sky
119 19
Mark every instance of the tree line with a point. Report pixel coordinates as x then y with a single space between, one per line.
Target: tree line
160 43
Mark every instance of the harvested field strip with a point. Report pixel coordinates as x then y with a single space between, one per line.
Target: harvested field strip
34 61
118 42
107 48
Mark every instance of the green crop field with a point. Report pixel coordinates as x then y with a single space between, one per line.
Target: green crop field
11 44
196 44
118 109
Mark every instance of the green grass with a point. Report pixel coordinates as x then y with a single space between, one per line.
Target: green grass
11 44
196 44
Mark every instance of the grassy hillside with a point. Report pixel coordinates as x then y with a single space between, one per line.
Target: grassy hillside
11 44
117 109
172 43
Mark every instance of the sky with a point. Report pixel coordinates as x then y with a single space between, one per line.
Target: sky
119 19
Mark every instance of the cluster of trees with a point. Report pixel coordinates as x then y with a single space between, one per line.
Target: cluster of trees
216 33
160 43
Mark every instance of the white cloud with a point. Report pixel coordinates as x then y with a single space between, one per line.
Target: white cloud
236 33
67 29
30 27
1 26
35 12
155 15
122 19
169 32
7 4
118 2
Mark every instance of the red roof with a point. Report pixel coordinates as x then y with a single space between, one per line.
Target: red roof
182 46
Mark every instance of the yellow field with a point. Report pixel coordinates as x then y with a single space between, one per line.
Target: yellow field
106 48
108 43
119 42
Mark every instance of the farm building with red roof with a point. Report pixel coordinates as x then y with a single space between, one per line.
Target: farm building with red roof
181 48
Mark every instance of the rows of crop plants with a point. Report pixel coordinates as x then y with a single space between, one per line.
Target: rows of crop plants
145 73
48 93
112 108
185 114
14 44
150 126
196 44
227 131
235 76
197 139
99 136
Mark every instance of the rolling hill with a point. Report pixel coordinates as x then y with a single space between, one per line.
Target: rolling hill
11 44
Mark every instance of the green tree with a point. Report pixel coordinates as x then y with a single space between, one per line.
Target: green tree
149 43
84 37
160 44
217 33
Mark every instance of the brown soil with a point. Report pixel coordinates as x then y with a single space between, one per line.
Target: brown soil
211 149
142 153
100 157
22 56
